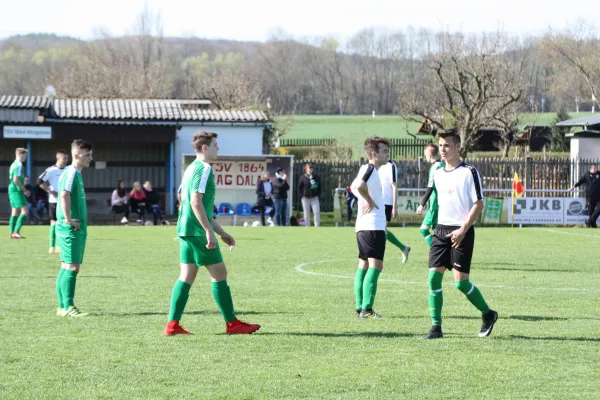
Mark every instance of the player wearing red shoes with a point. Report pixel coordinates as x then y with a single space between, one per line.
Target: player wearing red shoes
198 245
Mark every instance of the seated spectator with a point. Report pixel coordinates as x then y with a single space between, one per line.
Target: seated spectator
152 203
137 201
119 202
35 203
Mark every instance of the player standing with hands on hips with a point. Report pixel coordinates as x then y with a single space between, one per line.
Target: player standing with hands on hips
460 200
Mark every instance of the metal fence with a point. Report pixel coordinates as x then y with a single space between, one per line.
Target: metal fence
540 177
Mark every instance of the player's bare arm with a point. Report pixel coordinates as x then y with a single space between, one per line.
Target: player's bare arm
65 201
458 235
17 181
360 188
395 197
225 237
45 187
200 213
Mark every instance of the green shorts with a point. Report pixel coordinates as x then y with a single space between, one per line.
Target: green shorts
17 199
430 219
192 250
72 246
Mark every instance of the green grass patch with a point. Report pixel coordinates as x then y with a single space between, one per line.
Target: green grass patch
544 283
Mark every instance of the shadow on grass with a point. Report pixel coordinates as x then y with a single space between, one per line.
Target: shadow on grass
240 314
342 334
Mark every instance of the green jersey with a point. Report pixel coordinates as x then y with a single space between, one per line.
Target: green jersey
433 199
16 169
72 181
198 178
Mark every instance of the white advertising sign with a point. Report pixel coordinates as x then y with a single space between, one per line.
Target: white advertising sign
27 132
538 210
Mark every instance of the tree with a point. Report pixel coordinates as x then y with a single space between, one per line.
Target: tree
474 81
558 141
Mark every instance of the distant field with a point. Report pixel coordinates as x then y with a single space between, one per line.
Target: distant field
351 128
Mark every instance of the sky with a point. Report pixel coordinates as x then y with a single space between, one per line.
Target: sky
258 20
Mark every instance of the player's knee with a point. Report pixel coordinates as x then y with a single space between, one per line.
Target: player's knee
464 286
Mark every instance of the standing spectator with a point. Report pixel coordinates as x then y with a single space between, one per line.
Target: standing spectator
591 180
152 203
137 201
309 190
264 200
119 202
280 195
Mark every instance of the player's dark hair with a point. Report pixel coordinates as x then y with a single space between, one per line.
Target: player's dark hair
61 151
450 133
80 144
372 144
435 150
202 138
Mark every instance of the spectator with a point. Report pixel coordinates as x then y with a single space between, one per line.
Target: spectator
152 203
35 203
137 201
591 180
119 202
309 189
264 201
280 195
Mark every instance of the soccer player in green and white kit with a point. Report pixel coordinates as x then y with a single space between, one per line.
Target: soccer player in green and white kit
198 244
17 194
71 227
432 155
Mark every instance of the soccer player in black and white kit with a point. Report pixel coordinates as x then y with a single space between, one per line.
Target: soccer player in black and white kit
388 175
370 226
49 182
460 199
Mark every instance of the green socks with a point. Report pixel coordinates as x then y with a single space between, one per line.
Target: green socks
473 294
426 235
370 288
52 236
436 297
20 221
179 298
59 293
13 222
67 286
358 286
394 240
222 296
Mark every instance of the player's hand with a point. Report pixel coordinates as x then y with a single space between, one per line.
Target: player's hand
368 207
420 210
229 240
456 237
211 240
394 212
26 193
54 193
74 223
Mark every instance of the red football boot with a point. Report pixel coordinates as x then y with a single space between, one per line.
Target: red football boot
237 327
173 328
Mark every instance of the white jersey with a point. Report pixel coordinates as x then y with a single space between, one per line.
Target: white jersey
388 174
50 177
457 190
374 220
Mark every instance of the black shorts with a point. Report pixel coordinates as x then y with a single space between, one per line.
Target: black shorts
52 211
441 253
388 212
371 244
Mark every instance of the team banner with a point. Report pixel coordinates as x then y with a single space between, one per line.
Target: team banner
238 174
492 211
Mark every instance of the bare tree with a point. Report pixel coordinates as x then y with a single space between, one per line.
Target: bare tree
474 81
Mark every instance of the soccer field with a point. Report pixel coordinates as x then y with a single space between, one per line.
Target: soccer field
298 284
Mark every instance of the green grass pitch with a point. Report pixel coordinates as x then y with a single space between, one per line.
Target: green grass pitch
297 283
